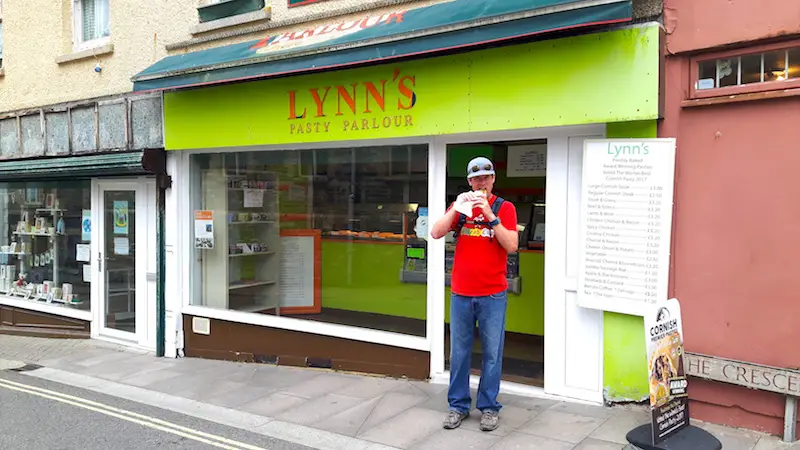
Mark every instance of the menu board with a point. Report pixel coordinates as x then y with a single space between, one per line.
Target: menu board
297 271
625 224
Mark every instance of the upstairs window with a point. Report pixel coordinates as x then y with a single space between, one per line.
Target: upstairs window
92 24
777 68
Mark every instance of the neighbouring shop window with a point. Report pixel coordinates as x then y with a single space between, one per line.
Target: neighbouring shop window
776 65
313 234
44 249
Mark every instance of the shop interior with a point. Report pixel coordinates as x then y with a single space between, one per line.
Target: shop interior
520 178
355 214
42 233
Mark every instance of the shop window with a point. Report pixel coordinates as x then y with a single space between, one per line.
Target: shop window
45 249
92 26
773 68
321 235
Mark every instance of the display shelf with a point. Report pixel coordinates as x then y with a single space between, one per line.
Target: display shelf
253 222
249 284
227 264
22 233
236 255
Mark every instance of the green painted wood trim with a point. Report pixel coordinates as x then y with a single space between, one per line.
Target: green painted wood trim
92 165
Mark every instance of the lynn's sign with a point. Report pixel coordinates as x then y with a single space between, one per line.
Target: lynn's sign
387 102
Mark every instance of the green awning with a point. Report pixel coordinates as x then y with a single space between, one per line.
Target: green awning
371 38
144 162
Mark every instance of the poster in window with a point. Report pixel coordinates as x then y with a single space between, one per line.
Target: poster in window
121 217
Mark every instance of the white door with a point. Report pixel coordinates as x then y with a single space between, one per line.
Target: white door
124 266
573 335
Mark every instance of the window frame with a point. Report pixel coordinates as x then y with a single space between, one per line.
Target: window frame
78 44
765 86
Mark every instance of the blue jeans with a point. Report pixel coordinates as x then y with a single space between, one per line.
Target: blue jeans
490 314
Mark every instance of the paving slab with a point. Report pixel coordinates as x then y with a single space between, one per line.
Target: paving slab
406 429
597 444
562 426
617 426
459 438
350 421
523 441
272 404
319 409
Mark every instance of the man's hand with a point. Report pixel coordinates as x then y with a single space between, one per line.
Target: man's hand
483 204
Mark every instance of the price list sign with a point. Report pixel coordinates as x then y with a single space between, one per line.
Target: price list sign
626 222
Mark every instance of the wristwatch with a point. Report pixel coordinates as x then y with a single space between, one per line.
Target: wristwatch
494 223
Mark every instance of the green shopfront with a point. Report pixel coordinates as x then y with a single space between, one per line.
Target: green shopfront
297 222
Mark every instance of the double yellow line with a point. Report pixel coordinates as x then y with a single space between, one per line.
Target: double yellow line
140 419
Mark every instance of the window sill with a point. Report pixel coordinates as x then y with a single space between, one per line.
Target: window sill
241 19
104 49
740 98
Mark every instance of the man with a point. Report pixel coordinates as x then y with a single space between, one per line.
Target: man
479 292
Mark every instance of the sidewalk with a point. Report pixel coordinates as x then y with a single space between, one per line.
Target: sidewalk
328 410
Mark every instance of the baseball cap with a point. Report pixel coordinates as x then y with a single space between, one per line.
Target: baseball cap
480 166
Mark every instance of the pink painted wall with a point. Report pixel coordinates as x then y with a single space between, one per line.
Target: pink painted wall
697 24
736 236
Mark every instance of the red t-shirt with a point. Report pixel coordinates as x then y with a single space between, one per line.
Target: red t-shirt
481 263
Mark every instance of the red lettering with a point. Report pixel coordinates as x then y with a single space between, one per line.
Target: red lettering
397 17
344 25
375 20
319 101
303 35
293 108
406 92
380 98
342 93
288 36
326 29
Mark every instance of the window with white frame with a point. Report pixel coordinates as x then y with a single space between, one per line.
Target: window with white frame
747 69
92 24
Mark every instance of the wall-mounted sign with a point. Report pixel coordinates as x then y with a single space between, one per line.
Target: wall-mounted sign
749 375
626 224
527 160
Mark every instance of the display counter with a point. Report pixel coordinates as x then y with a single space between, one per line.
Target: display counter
362 275
415 266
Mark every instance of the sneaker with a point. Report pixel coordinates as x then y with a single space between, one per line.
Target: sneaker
489 420
453 419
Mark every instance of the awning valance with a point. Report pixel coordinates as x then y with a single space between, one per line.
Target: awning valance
377 37
142 162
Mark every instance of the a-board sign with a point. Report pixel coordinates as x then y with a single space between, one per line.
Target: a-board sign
625 224
669 401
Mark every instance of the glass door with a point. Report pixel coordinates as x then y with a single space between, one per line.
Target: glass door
123 259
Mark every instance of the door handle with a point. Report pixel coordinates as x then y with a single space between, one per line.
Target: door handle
99 263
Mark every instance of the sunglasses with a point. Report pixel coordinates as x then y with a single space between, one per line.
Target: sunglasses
476 167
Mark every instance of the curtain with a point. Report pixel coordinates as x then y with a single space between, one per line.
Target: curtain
95 19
